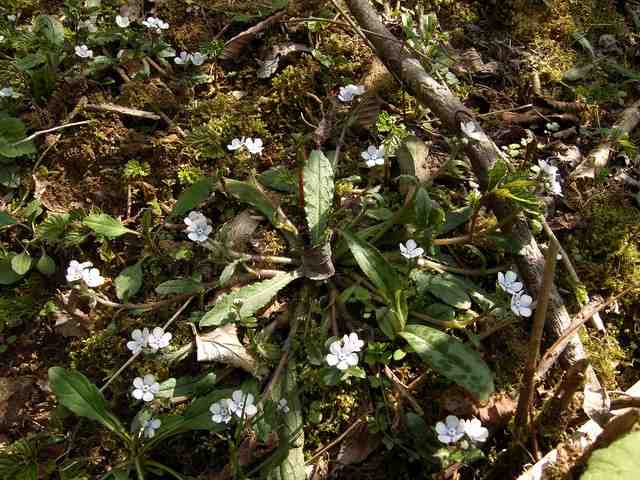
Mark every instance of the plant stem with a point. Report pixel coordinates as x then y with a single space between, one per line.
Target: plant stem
139 471
160 466
525 400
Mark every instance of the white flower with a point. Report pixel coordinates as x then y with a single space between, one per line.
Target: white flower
92 277
373 156
352 343
122 21
236 144
76 269
254 145
551 173
471 130
150 426
509 282
11 18
158 339
547 168
341 356
283 406
139 340
220 411
198 229
198 58
183 59
411 250
474 430
155 24
521 304
83 51
241 404
451 430
2 38
145 388
8 92
347 93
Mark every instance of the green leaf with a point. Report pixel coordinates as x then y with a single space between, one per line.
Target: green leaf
46 265
252 194
12 130
444 288
129 281
281 179
50 28
451 358
180 286
619 461
6 219
422 205
106 225
456 218
74 391
374 265
7 275
192 197
318 194
21 263
251 299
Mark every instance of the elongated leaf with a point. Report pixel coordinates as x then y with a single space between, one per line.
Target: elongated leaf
318 194
252 298
106 225
21 263
181 285
451 358
6 219
618 461
192 197
445 289
374 265
129 281
252 194
78 394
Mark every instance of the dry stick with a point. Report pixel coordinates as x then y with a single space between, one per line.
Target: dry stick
599 156
483 155
403 390
525 400
596 320
135 355
335 442
132 112
49 130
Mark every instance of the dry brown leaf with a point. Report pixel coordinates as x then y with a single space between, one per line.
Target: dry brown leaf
358 445
368 110
14 392
317 263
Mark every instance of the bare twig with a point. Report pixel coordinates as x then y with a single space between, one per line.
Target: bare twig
132 112
49 130
525 400
335 442
403 390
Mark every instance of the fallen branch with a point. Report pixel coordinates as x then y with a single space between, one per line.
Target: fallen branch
483 154
598 158
132 112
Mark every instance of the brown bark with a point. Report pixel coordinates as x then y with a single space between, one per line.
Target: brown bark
483 154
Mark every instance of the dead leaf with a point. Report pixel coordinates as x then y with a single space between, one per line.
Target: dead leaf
240 229
323 131
470 62
596 403
568 154
222 345
358 445
498 410
14 392
317 263
237 44
270 61
368 110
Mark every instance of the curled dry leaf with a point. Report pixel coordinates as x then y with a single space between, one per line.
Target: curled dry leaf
317 263
222 345
359 445
368 110
240 229
494 412
270 61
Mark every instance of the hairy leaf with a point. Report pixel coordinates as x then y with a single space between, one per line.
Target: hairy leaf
619 460
21 263
46 265
250 298
106 225
180 285
451 358
318 194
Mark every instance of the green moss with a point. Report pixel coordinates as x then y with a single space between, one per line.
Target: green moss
94 355
605 354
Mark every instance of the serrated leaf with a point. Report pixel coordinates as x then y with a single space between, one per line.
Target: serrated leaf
6 219
78 394
252 298
318 194
451 358
180 286
192 197
21 263
619 461
46 265
106 225
129 281
444 288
